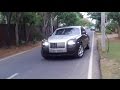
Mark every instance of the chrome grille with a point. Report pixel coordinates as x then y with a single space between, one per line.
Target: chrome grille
57 45
53 45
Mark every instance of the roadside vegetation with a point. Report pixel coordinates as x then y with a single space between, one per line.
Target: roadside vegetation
110 60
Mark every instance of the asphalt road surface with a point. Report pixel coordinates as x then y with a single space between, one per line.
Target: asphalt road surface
31 65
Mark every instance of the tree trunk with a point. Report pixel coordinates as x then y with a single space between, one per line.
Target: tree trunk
44 29
28 33
116 30
46 21
8 36
24 27
17 28
119 31
51 31
56 24
9 14
16 34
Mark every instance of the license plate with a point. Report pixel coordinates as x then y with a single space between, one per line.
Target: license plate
56 51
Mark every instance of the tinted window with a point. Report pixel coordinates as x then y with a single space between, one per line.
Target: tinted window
83 30
68 31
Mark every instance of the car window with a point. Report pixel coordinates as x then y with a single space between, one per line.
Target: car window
68 31
83 30
59 32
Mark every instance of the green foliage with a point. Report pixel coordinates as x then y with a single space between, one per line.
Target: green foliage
115 16
114 52
73 18
79 22
22 42
79 15
84 22
112 26
37 35
108 31
29 17
38 20
43 19
96 16
69 18
2 18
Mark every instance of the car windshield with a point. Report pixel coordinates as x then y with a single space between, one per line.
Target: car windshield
67 31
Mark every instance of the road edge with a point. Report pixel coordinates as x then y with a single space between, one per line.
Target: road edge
19 53
99 57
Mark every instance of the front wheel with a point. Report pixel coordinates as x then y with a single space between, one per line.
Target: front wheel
44 55
80 51
87 47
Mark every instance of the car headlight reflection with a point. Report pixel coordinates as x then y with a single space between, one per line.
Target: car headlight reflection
45 43
71 42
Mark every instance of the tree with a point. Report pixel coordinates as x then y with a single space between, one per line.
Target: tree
69 18
2 18
112 27
17 16
116 17
44 20
29 19
21 20
7 18
79 14
86 22
24 21
96 16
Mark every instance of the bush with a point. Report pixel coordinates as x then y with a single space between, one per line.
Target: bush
108 31
34 40
37 36
22 42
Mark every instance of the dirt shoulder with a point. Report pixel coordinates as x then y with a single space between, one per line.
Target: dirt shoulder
13 49
110 62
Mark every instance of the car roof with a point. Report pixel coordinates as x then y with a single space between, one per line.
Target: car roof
69 27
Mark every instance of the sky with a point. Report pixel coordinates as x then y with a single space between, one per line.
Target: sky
86 16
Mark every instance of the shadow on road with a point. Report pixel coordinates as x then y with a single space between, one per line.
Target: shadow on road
66 58
61 58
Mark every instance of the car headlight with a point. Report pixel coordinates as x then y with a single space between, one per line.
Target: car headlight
45 43
71 42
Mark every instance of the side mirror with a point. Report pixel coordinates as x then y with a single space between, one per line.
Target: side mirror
83 32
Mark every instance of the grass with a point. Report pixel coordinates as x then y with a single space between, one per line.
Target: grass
114 51
98 33
110 62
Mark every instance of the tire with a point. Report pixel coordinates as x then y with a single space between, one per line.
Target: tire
79 53
87 47
44 55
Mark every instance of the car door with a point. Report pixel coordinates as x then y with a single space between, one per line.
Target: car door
84 37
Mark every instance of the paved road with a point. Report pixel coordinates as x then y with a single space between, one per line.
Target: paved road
31 65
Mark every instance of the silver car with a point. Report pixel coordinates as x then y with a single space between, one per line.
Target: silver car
71 40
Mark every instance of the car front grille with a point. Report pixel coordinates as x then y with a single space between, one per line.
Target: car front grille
57 45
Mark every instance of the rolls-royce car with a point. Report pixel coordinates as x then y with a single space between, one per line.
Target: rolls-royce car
71 40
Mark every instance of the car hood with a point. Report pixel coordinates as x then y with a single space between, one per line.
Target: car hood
61 38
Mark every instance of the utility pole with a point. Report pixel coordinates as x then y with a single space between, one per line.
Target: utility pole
103 39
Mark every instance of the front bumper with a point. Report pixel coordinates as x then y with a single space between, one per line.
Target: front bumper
71 50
